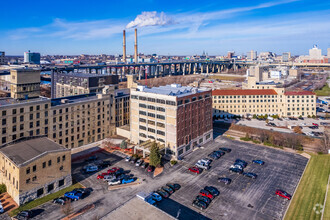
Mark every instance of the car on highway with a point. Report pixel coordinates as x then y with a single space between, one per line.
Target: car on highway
60 200
250 175
283 194
128 158
113 170
150 168
163 193
174 186
225 149
139 162
204 199
114 182
260 162
156 196
199 204
236 170
206 193
127 180
168 189
195 170
224 180
214 191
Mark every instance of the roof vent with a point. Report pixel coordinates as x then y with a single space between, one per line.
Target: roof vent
176 85
63 101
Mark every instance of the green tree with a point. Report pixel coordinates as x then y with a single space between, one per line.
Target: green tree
123 144
155 157
254 116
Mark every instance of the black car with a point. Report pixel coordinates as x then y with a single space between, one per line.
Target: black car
220 152
224 180
104 164
91 158
199 204
60 200
24 215
174 186
225 149
236 170
241 161
214 156
168 189
214 191
119 172
251 175
162 193
204 199
145 165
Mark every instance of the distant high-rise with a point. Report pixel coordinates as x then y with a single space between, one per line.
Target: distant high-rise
328 55
252 55
286 57
31 57
2 57
315 53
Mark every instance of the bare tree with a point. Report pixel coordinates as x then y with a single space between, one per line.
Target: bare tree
67 208
325 146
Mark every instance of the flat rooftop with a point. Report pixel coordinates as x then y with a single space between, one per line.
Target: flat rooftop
138 209
172 90
74 99
10 101
25 150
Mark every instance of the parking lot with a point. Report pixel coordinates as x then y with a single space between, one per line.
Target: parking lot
244 198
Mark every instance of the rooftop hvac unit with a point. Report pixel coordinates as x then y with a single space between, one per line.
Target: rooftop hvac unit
63 101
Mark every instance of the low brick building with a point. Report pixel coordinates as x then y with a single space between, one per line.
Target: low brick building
35 167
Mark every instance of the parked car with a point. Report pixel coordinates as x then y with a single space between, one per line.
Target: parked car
119 172
168 189
174 186
73 195
242 162
101 176
156 196
104 164
91 169
214 156
199 204
303 124
220 152
150 168
127 180
217 153
260 162
109 178
236 170
225 149
163 193
206 193
24 215
224 180
214 191
206 161
91 158
251 175
202 165
237 165
128 158
113 170
1 208
60 200
195 170
133 160
315 124
283 194
145 165
204 199
114 182
301 118
138 162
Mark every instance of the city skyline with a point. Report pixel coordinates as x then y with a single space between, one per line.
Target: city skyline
171 28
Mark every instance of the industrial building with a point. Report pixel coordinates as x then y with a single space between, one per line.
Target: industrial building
175 116
34 167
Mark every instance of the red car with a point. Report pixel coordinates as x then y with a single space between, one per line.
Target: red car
101 176
315 124
206 194
195 170
113 170
283 194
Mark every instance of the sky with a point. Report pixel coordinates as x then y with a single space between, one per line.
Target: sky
164 27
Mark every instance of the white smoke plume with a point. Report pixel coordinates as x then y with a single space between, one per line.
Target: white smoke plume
150 18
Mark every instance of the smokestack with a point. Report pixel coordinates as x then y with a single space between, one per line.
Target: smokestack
135 48
124 46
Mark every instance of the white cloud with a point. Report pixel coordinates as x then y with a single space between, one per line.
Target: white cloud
150 18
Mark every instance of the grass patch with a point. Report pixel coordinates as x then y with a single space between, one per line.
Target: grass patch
256 142
327 206
325 91
37 202
311 190
245 139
